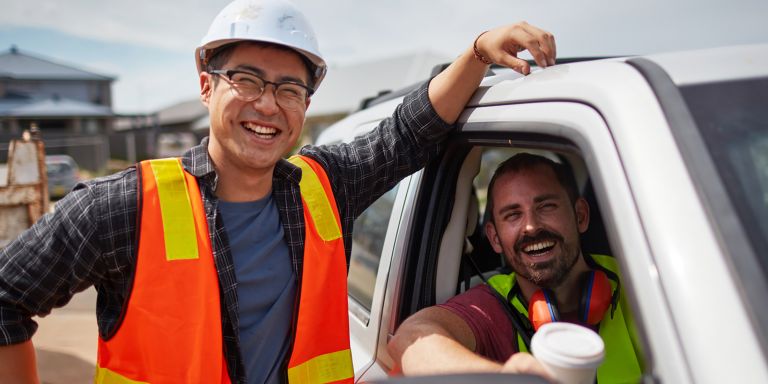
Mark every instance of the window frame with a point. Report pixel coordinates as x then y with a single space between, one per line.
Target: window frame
567 127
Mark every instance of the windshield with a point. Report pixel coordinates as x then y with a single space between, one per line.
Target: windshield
732 118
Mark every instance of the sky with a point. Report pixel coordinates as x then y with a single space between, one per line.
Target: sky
148 45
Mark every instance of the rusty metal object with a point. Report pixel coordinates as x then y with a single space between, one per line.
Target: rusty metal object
24 196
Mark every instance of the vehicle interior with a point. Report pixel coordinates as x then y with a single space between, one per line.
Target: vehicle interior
478 260
454 215
453 252
447 251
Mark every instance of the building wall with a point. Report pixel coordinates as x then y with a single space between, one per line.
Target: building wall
133 145
97 92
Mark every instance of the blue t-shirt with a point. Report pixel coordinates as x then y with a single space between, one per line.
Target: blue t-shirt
266 285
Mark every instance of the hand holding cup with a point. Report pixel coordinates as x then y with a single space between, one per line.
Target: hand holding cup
569 352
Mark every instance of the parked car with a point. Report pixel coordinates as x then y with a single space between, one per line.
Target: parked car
672 152
63 173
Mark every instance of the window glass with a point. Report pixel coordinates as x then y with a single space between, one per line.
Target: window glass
367 243
733 120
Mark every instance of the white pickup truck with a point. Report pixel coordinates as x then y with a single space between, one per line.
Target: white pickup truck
672 149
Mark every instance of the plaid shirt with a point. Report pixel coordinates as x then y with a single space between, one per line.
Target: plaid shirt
91 238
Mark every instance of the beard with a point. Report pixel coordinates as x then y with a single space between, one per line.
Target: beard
546 274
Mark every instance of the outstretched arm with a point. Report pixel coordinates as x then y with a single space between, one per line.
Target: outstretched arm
436 341
433 341
450 91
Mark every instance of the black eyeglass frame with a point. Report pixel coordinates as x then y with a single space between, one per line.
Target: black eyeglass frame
228 73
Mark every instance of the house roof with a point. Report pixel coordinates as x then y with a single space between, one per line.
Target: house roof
183 112
346 86
19 65
51 107
190 111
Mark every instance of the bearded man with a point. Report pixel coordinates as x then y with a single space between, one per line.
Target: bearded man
537 217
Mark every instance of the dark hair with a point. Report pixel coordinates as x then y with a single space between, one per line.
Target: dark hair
522 161
221 54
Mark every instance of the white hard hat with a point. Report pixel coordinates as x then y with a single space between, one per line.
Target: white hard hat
272 21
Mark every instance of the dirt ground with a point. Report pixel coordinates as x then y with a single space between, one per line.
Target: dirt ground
65 342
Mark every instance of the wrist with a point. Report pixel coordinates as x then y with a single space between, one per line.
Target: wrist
479 55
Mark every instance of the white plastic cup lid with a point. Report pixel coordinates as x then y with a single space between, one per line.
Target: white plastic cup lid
568 345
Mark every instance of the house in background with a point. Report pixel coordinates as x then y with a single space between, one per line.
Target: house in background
168 132
72 107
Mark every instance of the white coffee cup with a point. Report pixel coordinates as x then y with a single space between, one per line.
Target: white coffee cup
571 353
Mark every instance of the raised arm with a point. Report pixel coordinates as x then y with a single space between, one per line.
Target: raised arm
450 91
373 163
435 341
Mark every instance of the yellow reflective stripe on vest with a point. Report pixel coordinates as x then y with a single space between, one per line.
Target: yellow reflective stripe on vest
317 202
176 210
326 368
106 376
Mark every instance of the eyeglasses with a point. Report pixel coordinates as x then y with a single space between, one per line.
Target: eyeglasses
248 87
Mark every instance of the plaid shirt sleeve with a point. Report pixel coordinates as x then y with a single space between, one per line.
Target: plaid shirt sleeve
372 164
86 241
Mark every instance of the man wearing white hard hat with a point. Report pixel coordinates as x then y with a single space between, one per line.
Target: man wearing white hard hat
229 263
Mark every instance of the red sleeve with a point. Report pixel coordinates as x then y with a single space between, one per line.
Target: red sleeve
495 337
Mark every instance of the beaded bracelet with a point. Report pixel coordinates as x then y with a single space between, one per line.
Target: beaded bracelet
478 55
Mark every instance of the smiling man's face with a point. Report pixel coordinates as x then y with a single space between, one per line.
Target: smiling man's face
536 226
253 136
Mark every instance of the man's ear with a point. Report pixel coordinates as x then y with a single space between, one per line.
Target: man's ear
306 107
582 214
206 87
493 237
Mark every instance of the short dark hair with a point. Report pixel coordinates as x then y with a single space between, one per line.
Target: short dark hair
525 160
221 54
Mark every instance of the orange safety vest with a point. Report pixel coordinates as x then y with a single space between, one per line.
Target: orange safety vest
171 331
321 351
171 326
